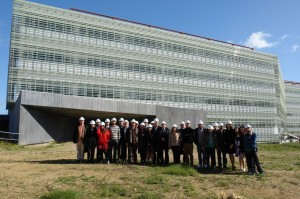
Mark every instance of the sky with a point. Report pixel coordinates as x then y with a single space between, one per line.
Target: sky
271 26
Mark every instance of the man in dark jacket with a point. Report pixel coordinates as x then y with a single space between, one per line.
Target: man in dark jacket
164 133
156 142
210 143
142 143
132 141
90 141
188 137
221 153
123 146
199 139
229 142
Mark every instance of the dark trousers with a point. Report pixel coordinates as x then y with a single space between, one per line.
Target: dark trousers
114 152
252 161
156 155
164 155
123 148
221 155
143 153
100 153
201 155
188 153
132 153
176 154
91 154
211 154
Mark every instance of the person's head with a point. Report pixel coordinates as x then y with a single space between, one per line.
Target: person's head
107 122
146 121
248 128
236 130
163 124
188 124
121 122
142 125
152 123
98 121
229 124
102 125
210 128
156 121
221 126
182 125
92 123
133 123
149 127
200 124
113 121
81 120
174 128
242 130
215 126
126 123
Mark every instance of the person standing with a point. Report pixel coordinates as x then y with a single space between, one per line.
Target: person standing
174 141
78 138
239 147
121 122
156 142
164 133
107 123
221 153
103 137
132 141
141 143
181 129
123 142
148 144
114 153
188 137
229 141
98 121
210 147
199 141
146 122
90 141
250 150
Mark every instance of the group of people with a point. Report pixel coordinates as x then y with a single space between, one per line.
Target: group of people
121 142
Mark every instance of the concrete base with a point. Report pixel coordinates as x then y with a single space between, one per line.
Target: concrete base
43 117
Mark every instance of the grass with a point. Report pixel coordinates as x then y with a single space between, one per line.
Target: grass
9 146
61 194
155 179
150 195
179 170
113 191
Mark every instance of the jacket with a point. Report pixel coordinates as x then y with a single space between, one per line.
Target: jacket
75 134
103 139
206 139
197 134
90 138
188 135
132 135
164 137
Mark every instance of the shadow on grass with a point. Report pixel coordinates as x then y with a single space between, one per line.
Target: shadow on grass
58 161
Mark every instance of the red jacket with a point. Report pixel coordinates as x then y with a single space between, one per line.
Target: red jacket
103 138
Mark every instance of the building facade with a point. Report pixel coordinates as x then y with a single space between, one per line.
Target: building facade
78 53
292 93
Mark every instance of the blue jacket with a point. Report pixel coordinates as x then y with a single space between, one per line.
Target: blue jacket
249 142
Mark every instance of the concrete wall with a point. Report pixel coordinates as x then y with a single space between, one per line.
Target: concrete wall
43 117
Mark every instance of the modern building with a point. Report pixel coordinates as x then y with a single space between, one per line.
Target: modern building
58 53
292 93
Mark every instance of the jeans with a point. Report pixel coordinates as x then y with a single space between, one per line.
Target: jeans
211 153
201 155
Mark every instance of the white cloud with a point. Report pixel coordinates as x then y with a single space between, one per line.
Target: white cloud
295 48
284 36
259 40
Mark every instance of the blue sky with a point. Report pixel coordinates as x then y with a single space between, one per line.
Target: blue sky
271 26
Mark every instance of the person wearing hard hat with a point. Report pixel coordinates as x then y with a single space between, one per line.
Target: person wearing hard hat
123 141
152 123
114 152
210 143
221 153
141 143
181 129
103 137
98 121
121 122
199 141
229 142
188 137
239 147
148 144
107 123
90 141
156 142
164 133
78 138
132 141
146 121
174 141
250 150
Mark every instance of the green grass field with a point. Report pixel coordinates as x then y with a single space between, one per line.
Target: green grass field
49 171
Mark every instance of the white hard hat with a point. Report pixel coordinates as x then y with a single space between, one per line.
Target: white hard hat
163 122
121 119
137 122
229 122
126 121
146 120
183 122
107 120
81 119
113 119
102 124
215 124
174 126
221 124
142 124
98 120
248 126
188 122
156 120
200 122
209 127
149 126
92 122
133 121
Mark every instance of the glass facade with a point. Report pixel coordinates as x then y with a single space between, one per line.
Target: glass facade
292 93
76 53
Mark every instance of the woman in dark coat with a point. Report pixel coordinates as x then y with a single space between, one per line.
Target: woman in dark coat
90 141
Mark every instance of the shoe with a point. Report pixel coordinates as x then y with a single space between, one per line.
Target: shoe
225 167
108 162
233 168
